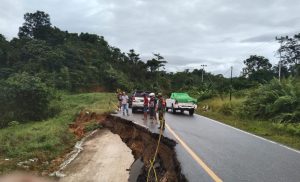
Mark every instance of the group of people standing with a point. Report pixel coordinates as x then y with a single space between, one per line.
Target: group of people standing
155 106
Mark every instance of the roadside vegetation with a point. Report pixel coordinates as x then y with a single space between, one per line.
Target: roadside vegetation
49 138
271 111
44 70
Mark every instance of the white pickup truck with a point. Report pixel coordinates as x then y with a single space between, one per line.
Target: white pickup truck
181 102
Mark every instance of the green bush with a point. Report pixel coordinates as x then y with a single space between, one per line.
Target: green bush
226 109
13 123
207 94
240 93
276 101
115 79
24 98
290 128
91 126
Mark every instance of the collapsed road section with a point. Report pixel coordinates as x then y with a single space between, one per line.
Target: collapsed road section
143 144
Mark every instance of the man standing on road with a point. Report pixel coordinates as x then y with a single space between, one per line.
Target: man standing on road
146 105
161 109
125 103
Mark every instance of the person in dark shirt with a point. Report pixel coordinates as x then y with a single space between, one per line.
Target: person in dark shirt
146 105
161 109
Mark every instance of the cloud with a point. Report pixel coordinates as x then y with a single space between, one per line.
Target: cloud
261 38
219 33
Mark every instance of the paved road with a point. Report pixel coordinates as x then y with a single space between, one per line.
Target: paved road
231 154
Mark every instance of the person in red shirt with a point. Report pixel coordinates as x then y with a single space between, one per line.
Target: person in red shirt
152 105
146 105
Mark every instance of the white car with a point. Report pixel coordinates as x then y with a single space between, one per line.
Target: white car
137 100
181 102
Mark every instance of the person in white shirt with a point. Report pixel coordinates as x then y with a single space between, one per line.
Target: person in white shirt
124 100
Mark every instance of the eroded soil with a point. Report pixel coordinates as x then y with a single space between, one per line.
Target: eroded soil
143 143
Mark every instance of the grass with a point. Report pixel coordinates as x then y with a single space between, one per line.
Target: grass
50 138
226 112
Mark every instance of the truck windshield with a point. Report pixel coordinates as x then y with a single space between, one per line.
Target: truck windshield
141 94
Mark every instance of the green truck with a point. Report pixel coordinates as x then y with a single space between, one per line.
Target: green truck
181 102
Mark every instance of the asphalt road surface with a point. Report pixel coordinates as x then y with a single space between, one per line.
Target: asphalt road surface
211 151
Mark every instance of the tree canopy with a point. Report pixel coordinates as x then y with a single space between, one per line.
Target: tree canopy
258 68
84 61
35 25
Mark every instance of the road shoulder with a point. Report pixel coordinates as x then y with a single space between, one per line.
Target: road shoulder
104 158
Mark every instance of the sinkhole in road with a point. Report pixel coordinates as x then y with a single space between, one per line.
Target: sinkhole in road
143 144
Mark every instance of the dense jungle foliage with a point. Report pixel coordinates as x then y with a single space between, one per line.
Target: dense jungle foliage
44 58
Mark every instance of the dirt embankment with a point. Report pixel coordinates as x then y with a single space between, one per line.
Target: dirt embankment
143 144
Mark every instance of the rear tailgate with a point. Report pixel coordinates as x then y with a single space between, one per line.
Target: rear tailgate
138 102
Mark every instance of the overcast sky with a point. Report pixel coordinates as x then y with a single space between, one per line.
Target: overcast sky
188 33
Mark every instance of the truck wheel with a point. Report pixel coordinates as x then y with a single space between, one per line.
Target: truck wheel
173 110
191 112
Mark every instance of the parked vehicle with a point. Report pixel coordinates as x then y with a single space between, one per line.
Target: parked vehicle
181 102
130 100
137 100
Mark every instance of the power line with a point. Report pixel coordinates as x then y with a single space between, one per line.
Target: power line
254 49
259 46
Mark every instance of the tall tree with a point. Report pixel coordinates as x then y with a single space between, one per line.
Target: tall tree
290 52
3 51
155 63
133 57
36 25
258 68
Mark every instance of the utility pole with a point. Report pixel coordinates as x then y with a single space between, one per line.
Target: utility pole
203 65
281 39
231 68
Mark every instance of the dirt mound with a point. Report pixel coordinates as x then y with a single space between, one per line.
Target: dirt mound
82 120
